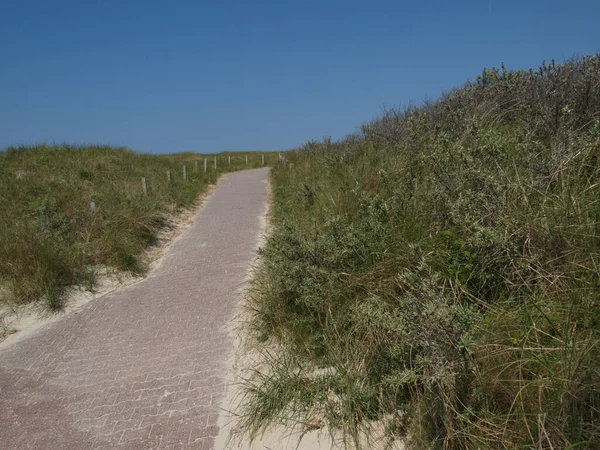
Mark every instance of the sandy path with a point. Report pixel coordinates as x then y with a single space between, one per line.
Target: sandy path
144 366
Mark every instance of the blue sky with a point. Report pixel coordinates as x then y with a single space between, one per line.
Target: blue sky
165 77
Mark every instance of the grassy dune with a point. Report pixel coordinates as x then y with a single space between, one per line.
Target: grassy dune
51 236
439 271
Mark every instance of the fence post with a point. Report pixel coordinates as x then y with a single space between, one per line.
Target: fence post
229 161
204 165
144 186
246 159
215 163
169 175
263 159
184 173
196 165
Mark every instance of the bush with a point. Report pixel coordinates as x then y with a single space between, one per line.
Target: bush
439 272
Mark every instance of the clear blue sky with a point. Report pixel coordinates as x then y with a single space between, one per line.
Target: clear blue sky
169 76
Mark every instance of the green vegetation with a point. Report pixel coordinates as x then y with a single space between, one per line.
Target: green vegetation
438 272
52 236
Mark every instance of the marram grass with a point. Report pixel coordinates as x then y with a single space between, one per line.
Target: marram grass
438 272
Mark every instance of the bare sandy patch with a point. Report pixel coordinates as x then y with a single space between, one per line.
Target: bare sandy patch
243 360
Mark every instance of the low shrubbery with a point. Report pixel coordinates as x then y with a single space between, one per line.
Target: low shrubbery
438 272
52 236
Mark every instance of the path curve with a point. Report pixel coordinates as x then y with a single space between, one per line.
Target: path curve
142 367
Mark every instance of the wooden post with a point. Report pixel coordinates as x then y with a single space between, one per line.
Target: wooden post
205 165
229 161
169 175
215 163
263 159
196 165
246 159
184 172
144 186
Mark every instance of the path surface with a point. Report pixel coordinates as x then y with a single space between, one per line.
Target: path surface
142 367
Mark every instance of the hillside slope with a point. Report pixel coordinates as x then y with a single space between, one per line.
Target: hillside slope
439 271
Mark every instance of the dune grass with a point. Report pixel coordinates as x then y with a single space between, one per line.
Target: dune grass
438 272
65 210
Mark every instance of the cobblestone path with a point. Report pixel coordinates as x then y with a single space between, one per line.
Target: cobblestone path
141 367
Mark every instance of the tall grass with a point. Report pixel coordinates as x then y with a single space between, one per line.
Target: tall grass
51 236
438 272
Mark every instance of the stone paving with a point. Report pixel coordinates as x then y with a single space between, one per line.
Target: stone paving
142 367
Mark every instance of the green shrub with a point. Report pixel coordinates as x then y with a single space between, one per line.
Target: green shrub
439 271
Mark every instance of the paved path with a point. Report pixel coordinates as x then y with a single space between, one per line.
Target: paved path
141 367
